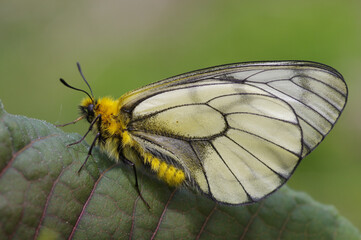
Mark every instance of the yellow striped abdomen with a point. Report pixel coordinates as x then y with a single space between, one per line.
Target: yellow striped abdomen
171 175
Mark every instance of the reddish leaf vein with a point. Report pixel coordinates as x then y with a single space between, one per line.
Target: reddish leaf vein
163 213
22 150
206 221
47 203
251 221
87 202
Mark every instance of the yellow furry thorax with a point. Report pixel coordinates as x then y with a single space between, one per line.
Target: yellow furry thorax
114 126
105 106
108 109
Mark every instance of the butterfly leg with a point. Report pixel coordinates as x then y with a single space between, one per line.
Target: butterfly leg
90 128
73 122
136 179
90 151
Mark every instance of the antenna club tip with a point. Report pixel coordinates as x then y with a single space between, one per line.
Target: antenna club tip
63 82
77 89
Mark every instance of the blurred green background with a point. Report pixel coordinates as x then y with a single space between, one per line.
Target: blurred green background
123 45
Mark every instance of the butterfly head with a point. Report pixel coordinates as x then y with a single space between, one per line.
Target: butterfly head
106 107
87 109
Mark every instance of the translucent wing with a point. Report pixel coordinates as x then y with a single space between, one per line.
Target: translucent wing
239 130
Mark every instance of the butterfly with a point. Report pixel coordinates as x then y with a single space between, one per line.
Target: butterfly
234 133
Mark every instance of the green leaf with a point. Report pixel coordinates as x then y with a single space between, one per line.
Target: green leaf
42 196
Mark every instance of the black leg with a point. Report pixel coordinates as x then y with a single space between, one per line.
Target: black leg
136 179
90 151
90 128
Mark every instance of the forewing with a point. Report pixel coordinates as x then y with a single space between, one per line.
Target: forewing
238 131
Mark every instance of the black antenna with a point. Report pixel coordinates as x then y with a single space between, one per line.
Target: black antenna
77 89
82 75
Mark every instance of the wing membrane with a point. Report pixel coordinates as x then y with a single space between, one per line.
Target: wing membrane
239 130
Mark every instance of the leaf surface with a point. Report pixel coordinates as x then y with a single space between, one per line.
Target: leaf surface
43 197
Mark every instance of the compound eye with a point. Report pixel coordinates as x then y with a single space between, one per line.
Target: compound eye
90 107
